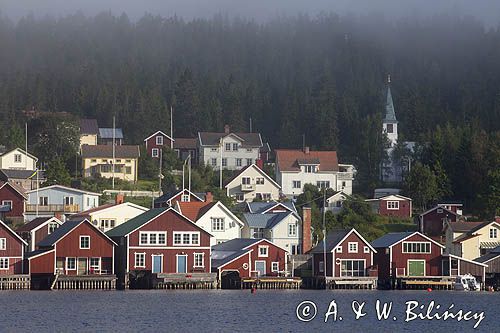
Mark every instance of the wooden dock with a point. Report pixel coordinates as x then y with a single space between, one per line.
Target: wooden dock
354 282
271 283
15 282
425 282
186 281
85 282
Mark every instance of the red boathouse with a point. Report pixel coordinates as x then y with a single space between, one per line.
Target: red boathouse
11 251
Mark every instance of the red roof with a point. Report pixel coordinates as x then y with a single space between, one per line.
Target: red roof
194 209
291 159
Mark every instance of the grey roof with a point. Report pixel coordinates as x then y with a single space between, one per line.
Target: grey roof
213 139
33 224
332 240
260 207
266 221
106 151
107 133
224 252
28 255
89 126
59 233
390 114
6 174
390 239
491 255
136 222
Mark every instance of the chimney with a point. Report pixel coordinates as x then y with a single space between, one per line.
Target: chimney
227 129
306 229
306 150
120 198
209 197
497 219
260 163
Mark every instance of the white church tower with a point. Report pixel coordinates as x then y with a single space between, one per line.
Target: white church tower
390 171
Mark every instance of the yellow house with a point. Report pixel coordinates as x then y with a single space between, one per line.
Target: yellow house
98 160
88 132
471 240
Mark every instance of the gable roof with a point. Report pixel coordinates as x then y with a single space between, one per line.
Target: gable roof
335 238
475 227
390 197
21 151
259 170
493 254
2 223
264 207
167 197
204 210
185 143
35 223
192 209
89 126
15 187
438 207
289 160
65 229
337 193
267 221
64 188
106 151
159 132
462 226
88 212
107 133
213 138
393 238
21 174
224 253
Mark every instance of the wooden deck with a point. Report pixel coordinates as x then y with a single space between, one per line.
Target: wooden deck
15 282
425 282
271 283
186 281
351 282
84 282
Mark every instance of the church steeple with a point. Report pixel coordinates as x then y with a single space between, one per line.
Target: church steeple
390 114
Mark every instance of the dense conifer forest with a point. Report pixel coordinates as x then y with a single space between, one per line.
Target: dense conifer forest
322 76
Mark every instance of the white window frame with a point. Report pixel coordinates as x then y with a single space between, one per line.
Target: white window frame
219 222
246 180
493 233
94 267
3 243
338 249
51 227
181 234
159 140
266 254
136 256
7 202
155 152
392 205
185 198
259 180
18 158
70 199
224 162
214 162
352 247
294 233
249 161
296 184
410 250
41 199
4 264
235 146
366 249
239 162
67 264
83 237
202 259
227 146
273 268
240 197
321 266
147 236
363 272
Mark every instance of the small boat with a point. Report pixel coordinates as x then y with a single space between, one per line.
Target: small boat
466 282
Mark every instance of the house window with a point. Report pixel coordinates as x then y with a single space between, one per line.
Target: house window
213 150
185 198
93 160
352 268
84 242
107 223
140 260
69 201
263 251
265 196
155 152
217 224
393 205
238 162
95 264
275 266
128 161
439 210
245 180
4 264
257 233
52 227
321 266
228 146
153 238
292 230
353 247
343 184
366 249
310 169
17 158
259 180
70 264
239 197
390 128
224 162
249 161
338 249
159 140
323 184
249 150
235 146
7 203
296 184
186 238
493 232
199 260
416 247
3 243
214 162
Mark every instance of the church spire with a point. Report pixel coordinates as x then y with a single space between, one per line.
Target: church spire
390 115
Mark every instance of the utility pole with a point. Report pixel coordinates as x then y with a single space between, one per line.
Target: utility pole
324 235
189 173
160 176
113 162
220 171
26 146
250 125
171 127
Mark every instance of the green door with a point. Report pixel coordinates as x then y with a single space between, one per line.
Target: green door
416 267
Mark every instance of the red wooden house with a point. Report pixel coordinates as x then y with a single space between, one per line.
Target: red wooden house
161 241
433 222
351 254
11 251
12 200
392 205
407 254
75 248
243 258
37 229
157 142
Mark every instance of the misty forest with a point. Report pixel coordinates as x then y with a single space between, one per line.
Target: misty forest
323 77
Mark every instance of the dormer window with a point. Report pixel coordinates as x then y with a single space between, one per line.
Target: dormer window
185 198
310 168
159 140
390 128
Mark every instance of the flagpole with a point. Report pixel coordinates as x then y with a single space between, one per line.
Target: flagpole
26 146
171 128
324 235
220 171
37 198
113 165
189 173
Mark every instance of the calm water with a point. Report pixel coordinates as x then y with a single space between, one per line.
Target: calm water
231 311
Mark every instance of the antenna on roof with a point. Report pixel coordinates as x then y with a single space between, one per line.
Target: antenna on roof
388 78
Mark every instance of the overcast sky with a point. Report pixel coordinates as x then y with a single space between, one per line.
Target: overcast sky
486 10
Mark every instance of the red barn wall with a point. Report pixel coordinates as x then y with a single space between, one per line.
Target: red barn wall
170 259
13 250
433 222
404 210
43 264
8 193
237 265
346 255
433 259
275 254
151 143
41 233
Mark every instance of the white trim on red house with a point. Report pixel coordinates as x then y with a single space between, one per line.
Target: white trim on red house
13 232
347 235
149 137
419 233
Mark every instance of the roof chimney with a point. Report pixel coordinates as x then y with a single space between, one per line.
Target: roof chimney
306 150
120 198
497 219
227 129
209 197
306 229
